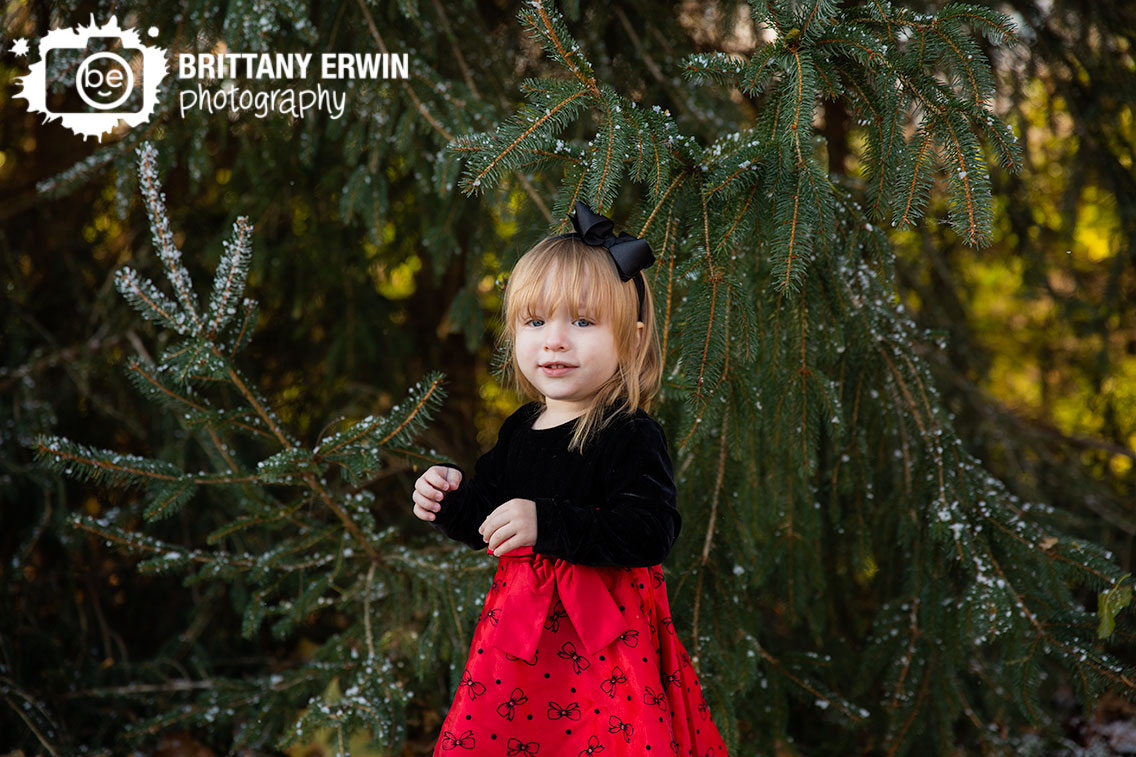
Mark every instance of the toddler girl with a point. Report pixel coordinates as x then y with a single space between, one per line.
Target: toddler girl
575 652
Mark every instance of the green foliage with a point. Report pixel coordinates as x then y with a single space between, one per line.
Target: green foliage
310 545
844 559
952 559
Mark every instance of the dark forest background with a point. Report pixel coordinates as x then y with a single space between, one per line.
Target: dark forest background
365 287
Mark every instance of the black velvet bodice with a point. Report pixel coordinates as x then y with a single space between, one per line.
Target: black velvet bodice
612 505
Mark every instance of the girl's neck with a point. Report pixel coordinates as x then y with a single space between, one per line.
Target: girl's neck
556 413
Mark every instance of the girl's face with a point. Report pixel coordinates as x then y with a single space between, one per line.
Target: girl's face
584 346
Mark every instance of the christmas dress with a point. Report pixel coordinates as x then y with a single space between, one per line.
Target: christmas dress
575 653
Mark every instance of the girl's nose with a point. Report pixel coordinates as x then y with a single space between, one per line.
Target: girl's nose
555 334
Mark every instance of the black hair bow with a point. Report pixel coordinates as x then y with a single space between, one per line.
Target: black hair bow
631 254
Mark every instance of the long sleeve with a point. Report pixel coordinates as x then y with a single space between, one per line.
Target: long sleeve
636 524
464 509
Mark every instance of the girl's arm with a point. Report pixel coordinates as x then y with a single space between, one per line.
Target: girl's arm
464 509
637 523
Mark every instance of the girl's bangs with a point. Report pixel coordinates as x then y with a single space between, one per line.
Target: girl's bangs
587 284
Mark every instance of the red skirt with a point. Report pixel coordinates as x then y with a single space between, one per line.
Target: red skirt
577 661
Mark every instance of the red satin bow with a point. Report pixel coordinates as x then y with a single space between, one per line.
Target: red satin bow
533 578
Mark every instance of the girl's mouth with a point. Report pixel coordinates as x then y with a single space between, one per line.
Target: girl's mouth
556 369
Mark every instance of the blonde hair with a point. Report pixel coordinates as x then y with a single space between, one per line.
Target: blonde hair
567 263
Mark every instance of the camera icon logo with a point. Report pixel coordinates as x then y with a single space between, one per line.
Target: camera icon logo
91 81
115 78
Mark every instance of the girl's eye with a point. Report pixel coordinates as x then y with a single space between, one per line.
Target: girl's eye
537 321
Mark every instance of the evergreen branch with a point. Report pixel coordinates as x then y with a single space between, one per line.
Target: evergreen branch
145 377
367 613
803 684
470 143
769 14
909 656
104 465
297 547
5 687
155 389
232 272
369 425
813 14
897 741
550 28
168 252
418 104
309 478
248 325
675 184
1073 654
254 402
1003 138
968 180
606 167
534 126
346 519
576 187
551 155
637 167
452 38
168 498
915 196
863 95
822 199
717 492
149 301
914 410
271 513
791 253
801 79
670 258
716 66
144 689
846 39
745 168
757 71
141 543
832 88
240 524
700 413
714 280
981 85
986 18
1050 552
891 139
743 211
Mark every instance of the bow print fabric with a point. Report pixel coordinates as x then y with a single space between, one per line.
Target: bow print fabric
584 599
570 660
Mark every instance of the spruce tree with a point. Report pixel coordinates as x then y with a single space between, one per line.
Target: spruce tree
292 539
843 555
903 594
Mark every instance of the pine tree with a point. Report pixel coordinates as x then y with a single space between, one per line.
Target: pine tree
296 540
903 591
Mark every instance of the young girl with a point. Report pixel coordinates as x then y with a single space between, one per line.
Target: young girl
575 652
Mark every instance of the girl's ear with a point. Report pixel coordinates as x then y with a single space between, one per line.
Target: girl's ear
639 327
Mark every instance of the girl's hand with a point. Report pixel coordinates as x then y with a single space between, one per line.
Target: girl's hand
430 487
511 525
